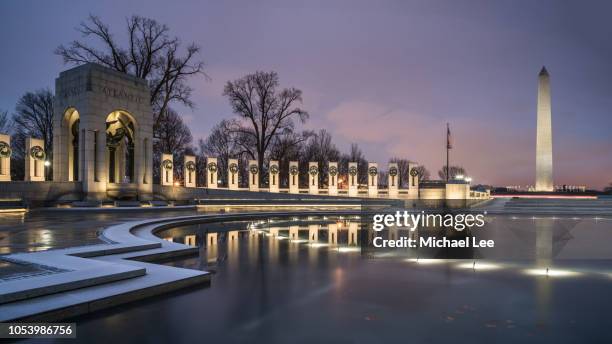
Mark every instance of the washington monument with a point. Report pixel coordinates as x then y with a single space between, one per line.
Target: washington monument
544 163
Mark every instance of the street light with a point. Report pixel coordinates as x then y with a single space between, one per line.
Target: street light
47 163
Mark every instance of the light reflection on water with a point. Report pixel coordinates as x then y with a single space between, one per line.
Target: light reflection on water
305 280
271 287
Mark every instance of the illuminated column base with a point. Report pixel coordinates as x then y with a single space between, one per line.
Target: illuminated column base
372 179
232 174
5 162
189 171
35 160
294 177
353 179
212 170
253 176
273 176
393 183
313 178
167 170
332 179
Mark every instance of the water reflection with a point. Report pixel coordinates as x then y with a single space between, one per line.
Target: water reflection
287 278
532 246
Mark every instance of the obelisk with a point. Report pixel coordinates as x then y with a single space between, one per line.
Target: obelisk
544 164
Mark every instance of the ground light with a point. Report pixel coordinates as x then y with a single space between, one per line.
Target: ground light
348 249
548 272
426 261
477 265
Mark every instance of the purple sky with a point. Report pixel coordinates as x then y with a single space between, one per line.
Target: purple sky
387 75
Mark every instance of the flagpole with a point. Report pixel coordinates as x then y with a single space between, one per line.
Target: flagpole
447 151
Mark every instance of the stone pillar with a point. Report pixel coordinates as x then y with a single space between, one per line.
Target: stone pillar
332 234
167 170
189 171
253 176
233 174
5 158
273 176
313 178
294 177
313 233
94 167
413 181
332 182
353 179
372 179
35 160
211 173
232 236
393 186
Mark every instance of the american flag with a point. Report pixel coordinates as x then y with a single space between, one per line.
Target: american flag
449 145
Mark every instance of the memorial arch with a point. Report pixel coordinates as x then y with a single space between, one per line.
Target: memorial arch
120 143
103 127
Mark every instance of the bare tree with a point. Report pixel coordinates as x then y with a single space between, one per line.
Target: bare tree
265 112
174 137
454 172
285 148
6 123
354 155
423 173
33 117
383 179
221 143
321 149
151 53
403 172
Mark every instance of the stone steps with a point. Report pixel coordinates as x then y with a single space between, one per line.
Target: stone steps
65 281
159 279
9 205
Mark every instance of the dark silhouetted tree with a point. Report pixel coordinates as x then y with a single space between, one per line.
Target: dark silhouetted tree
321 149
174 137
222 144
285 148
33 117
454 172
265 112
423 173
355 155
403 173
150 53
6 122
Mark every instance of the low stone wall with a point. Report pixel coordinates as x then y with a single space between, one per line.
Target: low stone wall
172 193
40 192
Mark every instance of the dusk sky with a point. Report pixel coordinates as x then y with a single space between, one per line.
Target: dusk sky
387 75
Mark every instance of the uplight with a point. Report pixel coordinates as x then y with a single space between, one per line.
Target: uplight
551 273
479 266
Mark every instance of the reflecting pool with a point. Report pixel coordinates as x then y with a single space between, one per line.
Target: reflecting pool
305 280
